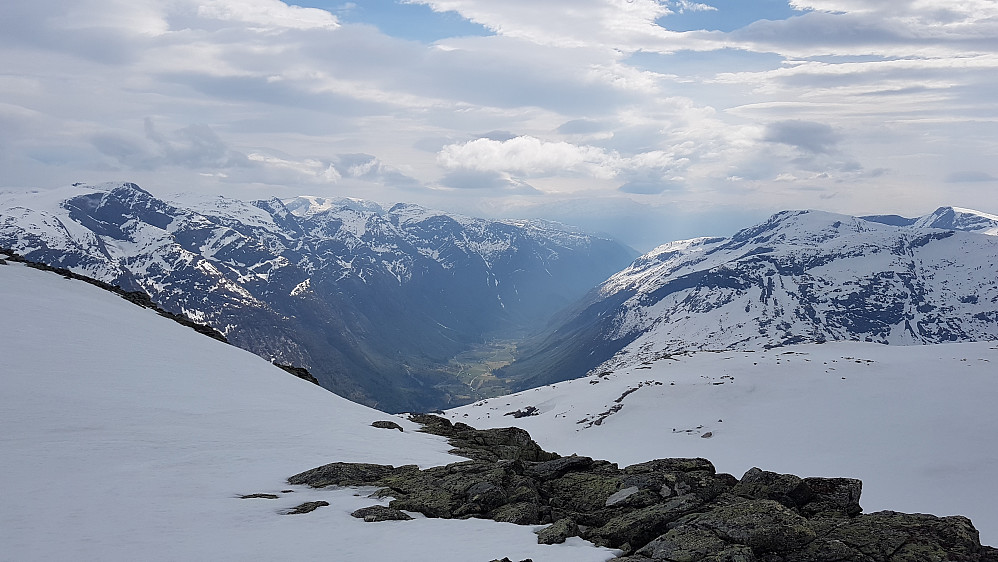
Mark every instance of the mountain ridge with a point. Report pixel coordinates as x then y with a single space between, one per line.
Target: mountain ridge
801 276
371 301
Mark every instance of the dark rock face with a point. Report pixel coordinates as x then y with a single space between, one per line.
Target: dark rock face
382 424
259 496
377 513
669 510
505 443
299 372
306 507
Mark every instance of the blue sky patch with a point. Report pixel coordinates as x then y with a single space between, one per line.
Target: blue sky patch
704 63
729 15
415 22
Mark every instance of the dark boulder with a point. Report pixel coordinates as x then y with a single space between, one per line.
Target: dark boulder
558 532
348 474
386 425
377 513
306 507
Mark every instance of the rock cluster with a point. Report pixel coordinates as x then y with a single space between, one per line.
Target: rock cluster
676 510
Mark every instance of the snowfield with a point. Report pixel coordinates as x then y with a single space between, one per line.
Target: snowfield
129 437
917 424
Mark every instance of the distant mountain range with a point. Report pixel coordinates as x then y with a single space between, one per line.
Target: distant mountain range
375 302
800 277
371 300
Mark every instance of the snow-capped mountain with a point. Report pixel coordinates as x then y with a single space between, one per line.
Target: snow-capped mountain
370 300
802 276
952 218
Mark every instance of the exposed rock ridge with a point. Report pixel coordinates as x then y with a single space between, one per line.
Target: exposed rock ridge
676 510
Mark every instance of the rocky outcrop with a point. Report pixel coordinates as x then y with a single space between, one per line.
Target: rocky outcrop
306 507
502 443
300 372
674 510
384 424
377 513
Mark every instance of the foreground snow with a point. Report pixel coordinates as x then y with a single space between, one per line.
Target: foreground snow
126 436
917 424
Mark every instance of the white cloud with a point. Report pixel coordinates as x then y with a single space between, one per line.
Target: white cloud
259 92
624 24
267 14
528 156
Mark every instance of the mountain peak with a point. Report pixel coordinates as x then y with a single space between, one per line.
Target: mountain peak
958 218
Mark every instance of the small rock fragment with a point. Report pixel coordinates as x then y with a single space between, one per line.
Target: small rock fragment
306 508
259 496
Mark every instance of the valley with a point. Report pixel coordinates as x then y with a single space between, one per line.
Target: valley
476 366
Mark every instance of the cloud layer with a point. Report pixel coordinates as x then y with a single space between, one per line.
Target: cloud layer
850 106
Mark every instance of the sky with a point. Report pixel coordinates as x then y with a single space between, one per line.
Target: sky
651 120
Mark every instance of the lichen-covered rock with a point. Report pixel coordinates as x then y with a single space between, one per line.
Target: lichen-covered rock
787 489
671 465
557 467
807 496
521 513
510 443
620 496
762 525
683 544
376 513
306 507
430 501
634 529
348 474
580 491
558 532
833 495
384 424
898 537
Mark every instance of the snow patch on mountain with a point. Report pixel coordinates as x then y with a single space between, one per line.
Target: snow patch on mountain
808 276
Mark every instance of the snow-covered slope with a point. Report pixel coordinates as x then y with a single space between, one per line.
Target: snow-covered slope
917 424
802 276
372 301
129 437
